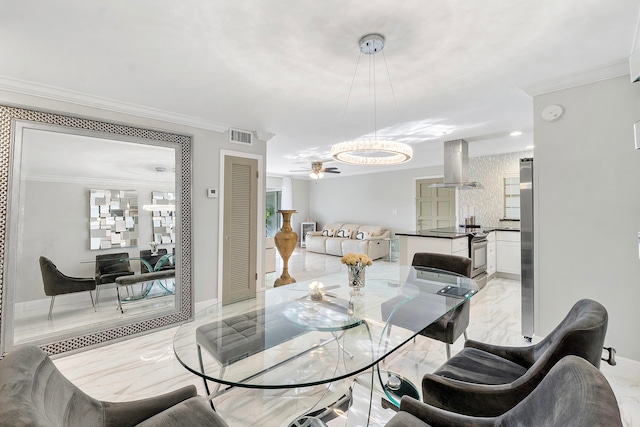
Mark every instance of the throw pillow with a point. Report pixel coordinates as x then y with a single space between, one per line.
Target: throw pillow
363 235
327 232
344 233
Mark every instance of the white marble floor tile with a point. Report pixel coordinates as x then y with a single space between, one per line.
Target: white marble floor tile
146 366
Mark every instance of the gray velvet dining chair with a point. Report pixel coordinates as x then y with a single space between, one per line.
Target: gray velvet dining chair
56 283
109 267
488 380
448 328
573 394
451 326
33 392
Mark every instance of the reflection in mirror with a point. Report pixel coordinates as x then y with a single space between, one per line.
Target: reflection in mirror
163 208
60 177
114 218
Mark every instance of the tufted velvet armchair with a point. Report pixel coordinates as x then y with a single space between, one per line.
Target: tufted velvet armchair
488 380
573 394
34 393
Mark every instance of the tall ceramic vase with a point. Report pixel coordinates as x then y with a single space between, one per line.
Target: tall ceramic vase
286 240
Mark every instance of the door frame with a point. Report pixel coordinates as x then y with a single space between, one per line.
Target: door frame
260 241
415 207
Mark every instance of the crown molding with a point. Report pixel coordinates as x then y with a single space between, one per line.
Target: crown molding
100 182
592 75
57 94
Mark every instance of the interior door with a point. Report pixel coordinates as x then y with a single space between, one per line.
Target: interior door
240 229
435 207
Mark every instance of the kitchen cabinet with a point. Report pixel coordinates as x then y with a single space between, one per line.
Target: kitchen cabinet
491 253
410 244
508 254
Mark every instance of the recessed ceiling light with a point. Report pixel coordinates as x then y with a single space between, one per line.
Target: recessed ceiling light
529 147
440 133
516 133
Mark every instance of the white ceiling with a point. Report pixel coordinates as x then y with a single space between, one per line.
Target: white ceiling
285 67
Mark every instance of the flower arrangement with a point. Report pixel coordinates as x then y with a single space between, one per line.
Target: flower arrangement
356 264
356 259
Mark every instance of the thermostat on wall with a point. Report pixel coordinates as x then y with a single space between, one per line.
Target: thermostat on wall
212 193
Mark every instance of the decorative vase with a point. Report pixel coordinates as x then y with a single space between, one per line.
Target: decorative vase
356 276
286 240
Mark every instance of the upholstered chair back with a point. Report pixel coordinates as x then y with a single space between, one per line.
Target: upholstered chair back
56 283
580 333
574 393
456 264
34 393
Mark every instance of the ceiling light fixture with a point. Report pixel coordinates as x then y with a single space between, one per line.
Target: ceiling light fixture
371 151
316 175
516 133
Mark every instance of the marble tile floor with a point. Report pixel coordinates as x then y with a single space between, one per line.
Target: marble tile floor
74 311
146 366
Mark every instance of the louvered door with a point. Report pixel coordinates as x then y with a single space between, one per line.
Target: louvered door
240 229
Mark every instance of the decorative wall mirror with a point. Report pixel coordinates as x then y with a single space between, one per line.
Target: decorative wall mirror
51 164
114 218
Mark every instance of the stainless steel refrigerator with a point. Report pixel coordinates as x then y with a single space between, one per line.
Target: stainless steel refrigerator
526 245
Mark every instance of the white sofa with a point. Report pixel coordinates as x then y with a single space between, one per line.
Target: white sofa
338 239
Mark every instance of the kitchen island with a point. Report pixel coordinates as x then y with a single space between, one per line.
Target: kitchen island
448 241
479 244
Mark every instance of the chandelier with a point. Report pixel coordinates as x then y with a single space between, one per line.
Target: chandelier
371 151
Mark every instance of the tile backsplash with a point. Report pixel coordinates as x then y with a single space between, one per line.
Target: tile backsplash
490 171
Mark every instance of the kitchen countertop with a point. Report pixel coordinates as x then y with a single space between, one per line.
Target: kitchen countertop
456 232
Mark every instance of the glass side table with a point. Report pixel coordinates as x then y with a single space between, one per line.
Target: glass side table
394 249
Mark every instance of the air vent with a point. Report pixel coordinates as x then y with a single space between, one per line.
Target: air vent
240 136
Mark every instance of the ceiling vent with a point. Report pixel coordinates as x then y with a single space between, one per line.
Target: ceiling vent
240 136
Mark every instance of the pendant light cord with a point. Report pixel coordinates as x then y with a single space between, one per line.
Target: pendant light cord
355 72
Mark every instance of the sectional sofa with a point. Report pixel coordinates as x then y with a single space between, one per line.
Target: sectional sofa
339 238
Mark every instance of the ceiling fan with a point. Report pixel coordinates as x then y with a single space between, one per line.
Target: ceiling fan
317 171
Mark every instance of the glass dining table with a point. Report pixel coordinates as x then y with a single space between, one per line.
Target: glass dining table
285 339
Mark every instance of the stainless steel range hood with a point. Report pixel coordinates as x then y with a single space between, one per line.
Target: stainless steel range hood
456 166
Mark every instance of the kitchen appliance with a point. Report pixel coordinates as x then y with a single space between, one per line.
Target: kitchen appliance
478 254
456 166
526 246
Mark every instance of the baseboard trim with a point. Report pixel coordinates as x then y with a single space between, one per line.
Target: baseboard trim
199 306
508 276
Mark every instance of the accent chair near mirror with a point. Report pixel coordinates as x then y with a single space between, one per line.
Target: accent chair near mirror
50 164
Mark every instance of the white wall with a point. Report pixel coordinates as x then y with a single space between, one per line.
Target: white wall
369 199
300 189
587 211
205 174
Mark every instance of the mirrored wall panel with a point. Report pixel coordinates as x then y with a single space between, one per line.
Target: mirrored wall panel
114 218
163 211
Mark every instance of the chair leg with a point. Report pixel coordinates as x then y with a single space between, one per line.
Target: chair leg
93 303
97 294
465 335
448 351
53 298
119 300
